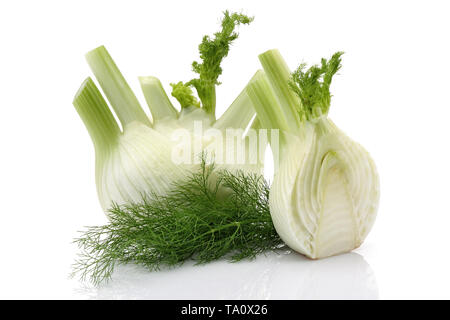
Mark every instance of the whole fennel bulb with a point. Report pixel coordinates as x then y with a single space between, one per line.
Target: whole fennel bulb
129 163
325 193
138 159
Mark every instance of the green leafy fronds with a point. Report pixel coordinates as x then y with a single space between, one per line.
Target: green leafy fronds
212 214
183 93
212 52
313 86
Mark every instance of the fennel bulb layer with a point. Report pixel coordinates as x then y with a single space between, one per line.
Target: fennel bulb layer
138 163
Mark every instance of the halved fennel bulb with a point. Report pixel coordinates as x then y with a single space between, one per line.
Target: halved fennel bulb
325 193
324 196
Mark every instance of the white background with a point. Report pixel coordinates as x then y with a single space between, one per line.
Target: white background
392 96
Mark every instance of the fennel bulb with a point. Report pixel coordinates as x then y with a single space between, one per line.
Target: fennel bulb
325 192
141 158
129 163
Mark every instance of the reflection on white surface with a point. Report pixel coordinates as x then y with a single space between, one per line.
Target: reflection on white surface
285 275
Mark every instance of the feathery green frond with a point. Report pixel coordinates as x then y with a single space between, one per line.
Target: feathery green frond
195 220
183 93
313 86
212 51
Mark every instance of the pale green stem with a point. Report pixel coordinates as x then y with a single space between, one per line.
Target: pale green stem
267 108
238 115
210 106
207 96
115 87
96 115
256 124
278 75
157 99
269 115
263 139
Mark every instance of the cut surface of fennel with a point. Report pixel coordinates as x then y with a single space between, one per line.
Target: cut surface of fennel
325 192
321 201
